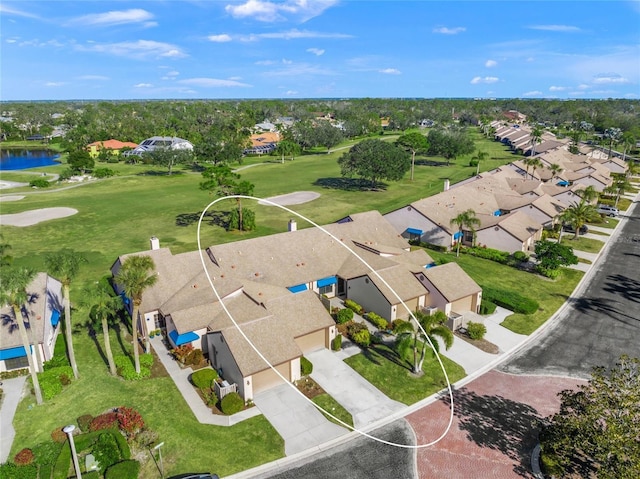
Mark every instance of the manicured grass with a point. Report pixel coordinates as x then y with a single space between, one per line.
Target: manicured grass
585 261
548 293
610 223
189 445
381 366
581 243
326 402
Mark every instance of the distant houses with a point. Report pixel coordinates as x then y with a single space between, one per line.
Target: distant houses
113 147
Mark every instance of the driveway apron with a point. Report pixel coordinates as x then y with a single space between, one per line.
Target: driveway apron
298 421
365 402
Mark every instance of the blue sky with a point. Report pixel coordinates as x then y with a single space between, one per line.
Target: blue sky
58 50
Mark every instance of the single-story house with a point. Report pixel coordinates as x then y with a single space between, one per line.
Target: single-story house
158 142
113 146
41 316
272 292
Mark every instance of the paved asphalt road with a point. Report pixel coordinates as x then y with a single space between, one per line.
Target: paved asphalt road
601 324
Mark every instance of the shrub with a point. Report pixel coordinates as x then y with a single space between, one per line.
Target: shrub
107 420
231 404
58 360
123 470
46 453
547 272
58 436
106 451
24 457
352 305
146 360
336 343
203 378
65 174
129 420
40 183
434 247
127 370
91 475
103 172
476 330
473 163
521 256
180 353
195 357
306 366
84 421
487 307
377 320
498 256
344 316
52 380
510 300
397 324
145 440
13 471
362 338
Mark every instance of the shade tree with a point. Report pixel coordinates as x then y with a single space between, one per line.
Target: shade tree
414 143
375 160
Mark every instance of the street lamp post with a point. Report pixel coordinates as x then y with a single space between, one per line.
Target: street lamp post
157 448
68 430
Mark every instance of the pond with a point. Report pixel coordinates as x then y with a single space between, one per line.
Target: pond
21 159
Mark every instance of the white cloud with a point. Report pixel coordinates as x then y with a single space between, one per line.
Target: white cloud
265 11
11 40
54 83
555 28
449 31
170 75
477 80
608 78
291 92
533 93
5 10
293 34
222 38
143 85
490 63
116 17
316 51
212 82
390 71
557 88
582 86
140 49
265 62
93 77
300 69
286 62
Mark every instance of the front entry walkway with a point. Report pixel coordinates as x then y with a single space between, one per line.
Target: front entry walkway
298 421
365 402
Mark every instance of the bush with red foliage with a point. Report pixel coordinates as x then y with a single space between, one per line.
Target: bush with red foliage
107 420
130 421
24 457
58 435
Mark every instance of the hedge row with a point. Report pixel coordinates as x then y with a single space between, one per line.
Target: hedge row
352 305
377 320
510 300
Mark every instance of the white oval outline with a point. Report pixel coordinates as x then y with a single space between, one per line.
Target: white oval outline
224 307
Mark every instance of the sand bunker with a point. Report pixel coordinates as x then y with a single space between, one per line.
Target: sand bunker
292 198
11 198
33 217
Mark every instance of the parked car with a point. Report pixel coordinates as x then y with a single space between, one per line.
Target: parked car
568 227
607 210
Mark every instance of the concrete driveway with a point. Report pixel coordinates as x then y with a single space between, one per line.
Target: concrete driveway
365 402
298 421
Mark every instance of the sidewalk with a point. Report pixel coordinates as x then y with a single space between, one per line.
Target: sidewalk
13 389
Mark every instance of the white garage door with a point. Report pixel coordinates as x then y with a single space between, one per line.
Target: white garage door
268 378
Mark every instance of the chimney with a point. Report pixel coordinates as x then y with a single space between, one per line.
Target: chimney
446 185
155 243
293 226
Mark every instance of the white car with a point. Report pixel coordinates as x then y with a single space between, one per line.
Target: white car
607 210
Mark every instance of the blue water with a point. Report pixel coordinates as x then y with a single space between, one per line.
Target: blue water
23 159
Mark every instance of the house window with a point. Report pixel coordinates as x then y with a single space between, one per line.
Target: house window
468 237
16 363
326 289
159 321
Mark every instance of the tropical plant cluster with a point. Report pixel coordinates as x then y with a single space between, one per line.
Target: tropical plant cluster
187 355
476 330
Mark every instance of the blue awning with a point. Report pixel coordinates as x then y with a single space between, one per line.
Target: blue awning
457 235
497 213
17 352
326 281
414 231
563 183
180 339
430 265
125 300
297 288
55 317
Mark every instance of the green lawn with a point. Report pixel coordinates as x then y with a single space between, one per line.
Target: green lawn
326 402
380 365
581 243
189 445
548 293
607 223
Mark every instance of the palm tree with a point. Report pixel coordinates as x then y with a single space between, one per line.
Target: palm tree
103 306
536 137
578 214
134 278
65 265
535 164
5 258
614 135
620 185
555 169
588 194
410 337
13 292
480 156
465 219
